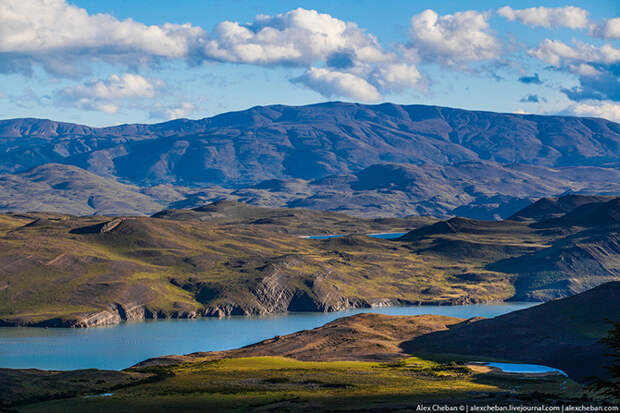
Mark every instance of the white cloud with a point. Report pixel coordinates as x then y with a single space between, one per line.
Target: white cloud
182 110
596 68
298 37
56 35
608 29
355 65
569 16
42 29
455 39
66 41
558 53
584 69
106 95
606 109
522 111
339 84
396 76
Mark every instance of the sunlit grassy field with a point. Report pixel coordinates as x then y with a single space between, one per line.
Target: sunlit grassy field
287 385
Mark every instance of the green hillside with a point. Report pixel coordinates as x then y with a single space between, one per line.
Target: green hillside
232 259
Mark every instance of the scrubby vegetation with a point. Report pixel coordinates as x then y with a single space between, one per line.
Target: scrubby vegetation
276 384
233 259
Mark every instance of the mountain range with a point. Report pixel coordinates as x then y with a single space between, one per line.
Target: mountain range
366 160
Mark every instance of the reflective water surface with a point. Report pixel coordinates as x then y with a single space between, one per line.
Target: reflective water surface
383 235
524 368
121 346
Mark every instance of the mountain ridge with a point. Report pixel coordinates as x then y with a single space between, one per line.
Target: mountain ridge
278 106
444 135
368 160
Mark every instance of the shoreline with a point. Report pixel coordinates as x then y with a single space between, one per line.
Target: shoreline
141 313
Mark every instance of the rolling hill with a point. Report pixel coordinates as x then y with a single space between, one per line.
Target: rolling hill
228 258
72 190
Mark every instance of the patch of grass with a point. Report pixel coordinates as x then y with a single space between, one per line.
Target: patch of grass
281 384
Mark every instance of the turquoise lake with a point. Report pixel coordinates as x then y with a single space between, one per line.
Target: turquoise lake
524 368
121 346
382 235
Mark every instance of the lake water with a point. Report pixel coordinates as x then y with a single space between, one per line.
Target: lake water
524 368
383 235
121 346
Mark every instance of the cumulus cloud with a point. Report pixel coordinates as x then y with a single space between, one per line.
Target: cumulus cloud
569 16
396 76
41 29
601 86
58 36
558 53
355 65
607 110
298 37
65 40
106 95
331 83
597 68
608 29
453 39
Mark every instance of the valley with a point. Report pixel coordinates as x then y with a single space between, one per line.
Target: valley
309 206
273 212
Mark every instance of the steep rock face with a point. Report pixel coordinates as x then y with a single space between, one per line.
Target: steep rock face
231 259
116 314
280 291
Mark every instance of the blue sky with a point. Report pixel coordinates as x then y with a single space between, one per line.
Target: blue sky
120 61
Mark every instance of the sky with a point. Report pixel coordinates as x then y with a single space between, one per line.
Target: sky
109 62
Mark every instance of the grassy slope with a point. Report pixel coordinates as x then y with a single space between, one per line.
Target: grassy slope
53 267
278 384
229 258
71 190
